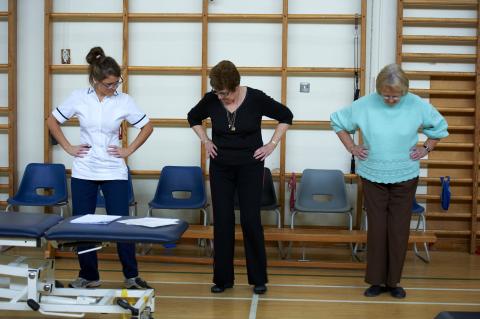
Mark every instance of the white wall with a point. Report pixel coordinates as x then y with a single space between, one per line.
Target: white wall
172 96
29 83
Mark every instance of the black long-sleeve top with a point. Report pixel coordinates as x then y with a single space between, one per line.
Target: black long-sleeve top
237 147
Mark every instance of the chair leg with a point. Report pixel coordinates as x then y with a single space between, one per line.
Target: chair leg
425 259
279 243
202 242
205 219
292 219
292 226
279 218
304 255
427 253
8 207
359 246
350 220
149 213
353 247
421 219
133 210
350 228
415 249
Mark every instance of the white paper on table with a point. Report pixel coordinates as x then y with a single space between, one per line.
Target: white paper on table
95 219
150 221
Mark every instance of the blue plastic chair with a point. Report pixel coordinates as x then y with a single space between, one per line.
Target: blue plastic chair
131 197
329 187
184 179
50 177
419 212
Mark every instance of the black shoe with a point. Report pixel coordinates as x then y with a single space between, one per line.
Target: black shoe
397 292
220 288
374 290
260 289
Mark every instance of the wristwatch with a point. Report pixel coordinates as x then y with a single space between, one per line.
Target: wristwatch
427 148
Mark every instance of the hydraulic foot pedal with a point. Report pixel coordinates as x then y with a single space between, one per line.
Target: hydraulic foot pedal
125 305
33 304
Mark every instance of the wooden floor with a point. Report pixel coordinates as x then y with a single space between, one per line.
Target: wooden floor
451 282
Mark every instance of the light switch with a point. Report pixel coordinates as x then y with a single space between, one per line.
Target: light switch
304 87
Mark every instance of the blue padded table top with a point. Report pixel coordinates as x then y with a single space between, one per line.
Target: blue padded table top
115 232
30 225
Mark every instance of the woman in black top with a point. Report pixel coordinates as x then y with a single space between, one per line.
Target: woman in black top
236 153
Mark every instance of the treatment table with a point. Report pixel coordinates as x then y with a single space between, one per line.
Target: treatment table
32 286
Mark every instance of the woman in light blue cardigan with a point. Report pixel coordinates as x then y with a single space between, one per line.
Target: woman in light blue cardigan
388 164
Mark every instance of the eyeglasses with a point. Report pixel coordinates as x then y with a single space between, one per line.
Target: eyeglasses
391 97
221 93
113 85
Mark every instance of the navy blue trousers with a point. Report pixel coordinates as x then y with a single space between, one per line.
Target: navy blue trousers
84 201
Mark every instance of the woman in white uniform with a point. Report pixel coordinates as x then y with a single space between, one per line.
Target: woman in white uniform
99 159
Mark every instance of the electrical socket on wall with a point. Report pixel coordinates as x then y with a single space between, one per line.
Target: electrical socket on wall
304 87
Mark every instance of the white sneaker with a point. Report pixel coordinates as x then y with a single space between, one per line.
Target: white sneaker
84 283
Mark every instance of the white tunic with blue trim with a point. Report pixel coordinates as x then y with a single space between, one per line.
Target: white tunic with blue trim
99 127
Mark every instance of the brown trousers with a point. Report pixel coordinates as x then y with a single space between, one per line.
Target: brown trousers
389 211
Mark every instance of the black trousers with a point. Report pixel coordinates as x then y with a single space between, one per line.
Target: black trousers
248 181
389 211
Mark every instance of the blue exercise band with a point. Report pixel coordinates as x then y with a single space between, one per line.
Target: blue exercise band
445 194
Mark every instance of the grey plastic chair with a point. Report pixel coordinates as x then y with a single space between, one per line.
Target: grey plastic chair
322 191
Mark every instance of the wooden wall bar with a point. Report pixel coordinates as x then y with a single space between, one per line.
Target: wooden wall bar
476 141
205 18
456 96
453 93
10 110
12 96
47 78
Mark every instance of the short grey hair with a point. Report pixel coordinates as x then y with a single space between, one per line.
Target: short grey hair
394 77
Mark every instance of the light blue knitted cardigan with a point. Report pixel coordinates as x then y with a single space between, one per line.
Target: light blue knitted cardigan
389 132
